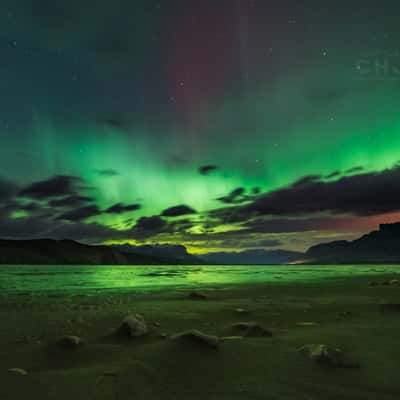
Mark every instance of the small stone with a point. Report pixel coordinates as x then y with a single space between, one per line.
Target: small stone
241 311
394 282
323 354
197 296
306 324
196 336
70 342
133 326
251 329
17 371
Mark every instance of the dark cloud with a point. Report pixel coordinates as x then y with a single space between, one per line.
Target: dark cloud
332 175
29 207
147 227
42 227
267 243
71 201
180 226
236 196
178 211
286 225
363 194
154 223
120 208
85 232
107 172
57 186
207 169
80 214
306 180
355 170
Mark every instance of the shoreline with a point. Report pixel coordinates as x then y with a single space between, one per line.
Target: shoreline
343 312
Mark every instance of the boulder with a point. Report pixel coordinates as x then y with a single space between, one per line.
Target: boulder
197 296
133 326
250 329
326 355
195 336
69 342
17 371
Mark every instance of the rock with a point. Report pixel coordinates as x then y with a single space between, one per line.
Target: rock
306 324
323 354
196 336
197 296
250 329
133 326
69 342
17 371
241 311
394 282
373 283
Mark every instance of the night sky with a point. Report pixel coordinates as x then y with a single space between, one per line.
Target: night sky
220 125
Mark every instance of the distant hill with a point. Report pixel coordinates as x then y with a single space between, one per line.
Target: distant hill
253 257
168 251
378 247
48 251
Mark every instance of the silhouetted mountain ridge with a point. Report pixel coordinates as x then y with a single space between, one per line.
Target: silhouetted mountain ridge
379 247
69 252
168 251
253 257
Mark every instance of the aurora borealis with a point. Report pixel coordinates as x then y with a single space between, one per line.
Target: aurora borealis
236 125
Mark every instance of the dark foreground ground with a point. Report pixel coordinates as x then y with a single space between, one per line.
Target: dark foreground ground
345 313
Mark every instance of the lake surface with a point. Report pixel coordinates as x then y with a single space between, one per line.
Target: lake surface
60 278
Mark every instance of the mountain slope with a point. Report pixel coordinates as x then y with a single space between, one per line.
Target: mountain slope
379 247
253 257
48 251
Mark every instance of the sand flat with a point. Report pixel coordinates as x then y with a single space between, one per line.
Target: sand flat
343 313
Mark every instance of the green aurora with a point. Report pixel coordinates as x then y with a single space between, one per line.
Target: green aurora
288 107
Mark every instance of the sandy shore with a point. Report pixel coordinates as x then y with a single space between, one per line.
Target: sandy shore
340 313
